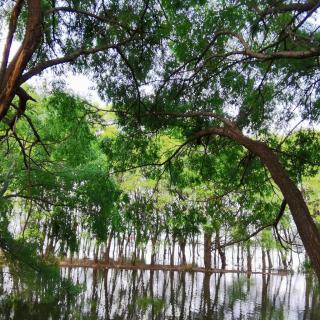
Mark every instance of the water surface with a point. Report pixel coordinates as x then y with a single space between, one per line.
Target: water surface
134 294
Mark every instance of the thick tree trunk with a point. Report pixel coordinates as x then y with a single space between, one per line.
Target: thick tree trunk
11 73
207 249
299 210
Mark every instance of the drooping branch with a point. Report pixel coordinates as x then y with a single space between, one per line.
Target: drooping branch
35 132
156 164
273 224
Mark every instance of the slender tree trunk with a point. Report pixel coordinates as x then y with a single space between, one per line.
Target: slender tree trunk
238 256
263 258
153 249
249 259
94 296
269 260
127 246
291 258
107 252
165 248
284 260
193 250
96 252
221 251
121 246
215 258
207 249
182 243
173 250
264 296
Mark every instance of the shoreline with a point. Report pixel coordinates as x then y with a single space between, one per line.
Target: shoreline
88 263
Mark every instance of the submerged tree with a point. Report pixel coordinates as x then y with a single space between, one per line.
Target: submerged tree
57 187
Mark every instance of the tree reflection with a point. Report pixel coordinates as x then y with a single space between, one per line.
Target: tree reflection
136 294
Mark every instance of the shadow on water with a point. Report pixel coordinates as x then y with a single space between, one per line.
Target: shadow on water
135 294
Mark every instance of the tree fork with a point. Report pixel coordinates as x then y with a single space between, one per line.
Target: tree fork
11 75
298 208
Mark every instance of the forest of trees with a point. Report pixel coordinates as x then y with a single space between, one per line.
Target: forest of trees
86 193
209 137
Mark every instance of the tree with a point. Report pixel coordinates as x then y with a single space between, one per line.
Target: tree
238 72
200 68
52 35
59 193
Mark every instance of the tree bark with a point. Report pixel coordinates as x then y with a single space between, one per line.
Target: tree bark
299 210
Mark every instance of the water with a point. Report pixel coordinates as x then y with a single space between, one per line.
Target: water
128 294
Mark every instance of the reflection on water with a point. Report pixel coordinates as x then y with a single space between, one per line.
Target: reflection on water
122 294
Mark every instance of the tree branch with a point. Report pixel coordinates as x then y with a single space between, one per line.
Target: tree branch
158 164
69 58
88 14
272 224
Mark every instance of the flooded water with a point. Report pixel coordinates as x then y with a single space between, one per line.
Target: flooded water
124 294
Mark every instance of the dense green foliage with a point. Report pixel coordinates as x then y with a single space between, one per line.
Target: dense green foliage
58 184
180 76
